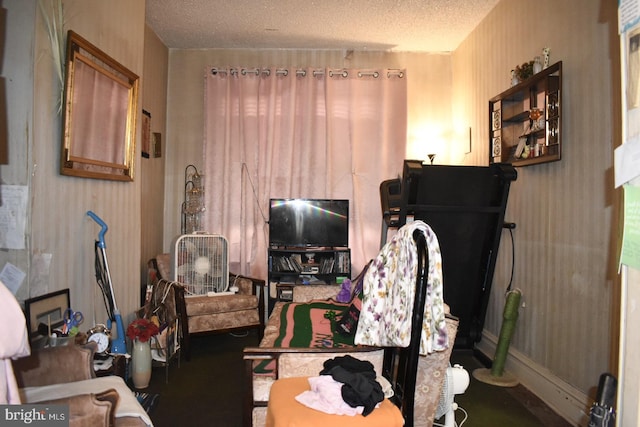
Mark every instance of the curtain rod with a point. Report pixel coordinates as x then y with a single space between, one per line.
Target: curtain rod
338 72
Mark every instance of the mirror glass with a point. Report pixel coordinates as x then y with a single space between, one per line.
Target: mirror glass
100 104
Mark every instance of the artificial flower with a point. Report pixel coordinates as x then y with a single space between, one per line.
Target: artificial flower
142 329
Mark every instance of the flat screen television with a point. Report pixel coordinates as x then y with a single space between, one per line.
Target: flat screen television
309 223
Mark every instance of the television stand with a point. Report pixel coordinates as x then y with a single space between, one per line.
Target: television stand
290 267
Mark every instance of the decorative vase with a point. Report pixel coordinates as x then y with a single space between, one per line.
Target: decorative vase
545 57
141 363
514 78
537 65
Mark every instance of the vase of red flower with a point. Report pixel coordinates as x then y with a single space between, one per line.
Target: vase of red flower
140 332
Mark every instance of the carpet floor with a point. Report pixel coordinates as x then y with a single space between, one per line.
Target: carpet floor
207 391
490 406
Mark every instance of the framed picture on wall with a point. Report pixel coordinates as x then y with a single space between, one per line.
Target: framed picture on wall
495 120
146 133
157 144
496 147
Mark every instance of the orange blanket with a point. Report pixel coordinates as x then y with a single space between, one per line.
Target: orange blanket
285 411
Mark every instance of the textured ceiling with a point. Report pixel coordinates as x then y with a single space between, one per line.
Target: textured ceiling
396 25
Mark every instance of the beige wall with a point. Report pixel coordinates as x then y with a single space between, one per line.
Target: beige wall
60 236
60 225
152 169
565 211
17 78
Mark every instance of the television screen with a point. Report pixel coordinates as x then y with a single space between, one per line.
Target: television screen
309 223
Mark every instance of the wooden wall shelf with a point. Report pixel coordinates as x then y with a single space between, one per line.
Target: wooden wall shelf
516 138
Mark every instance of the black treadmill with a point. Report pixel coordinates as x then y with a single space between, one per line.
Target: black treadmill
465 207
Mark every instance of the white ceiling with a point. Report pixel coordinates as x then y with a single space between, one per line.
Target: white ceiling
375 25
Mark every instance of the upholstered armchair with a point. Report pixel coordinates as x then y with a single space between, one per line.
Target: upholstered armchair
65 376
216 314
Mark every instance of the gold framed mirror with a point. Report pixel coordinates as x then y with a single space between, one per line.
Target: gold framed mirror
100 114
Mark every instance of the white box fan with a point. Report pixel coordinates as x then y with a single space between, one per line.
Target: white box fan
456 382
200 262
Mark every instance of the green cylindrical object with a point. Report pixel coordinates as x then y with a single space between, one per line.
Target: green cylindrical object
510 316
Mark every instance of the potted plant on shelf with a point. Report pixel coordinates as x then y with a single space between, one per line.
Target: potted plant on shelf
524 71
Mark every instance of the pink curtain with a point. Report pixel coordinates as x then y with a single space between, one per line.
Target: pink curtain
312 133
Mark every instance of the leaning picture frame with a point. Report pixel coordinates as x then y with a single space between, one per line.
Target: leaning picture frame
99 114
47 309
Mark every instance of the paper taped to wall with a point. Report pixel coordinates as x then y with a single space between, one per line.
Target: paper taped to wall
12 277
630 252
627 161
13 214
